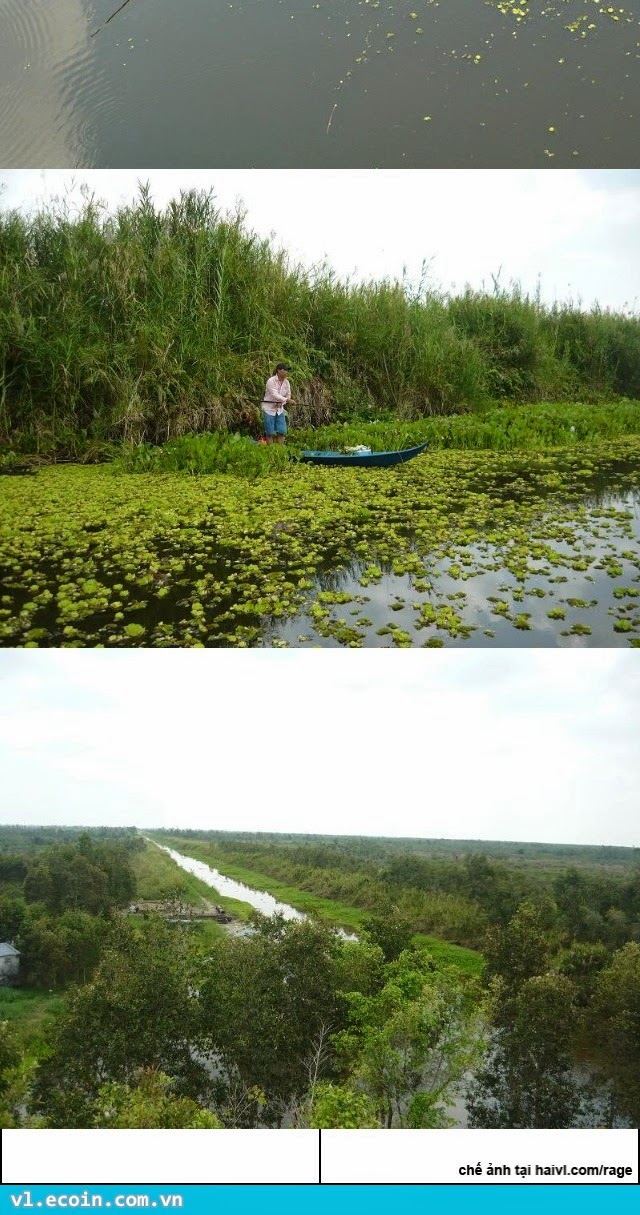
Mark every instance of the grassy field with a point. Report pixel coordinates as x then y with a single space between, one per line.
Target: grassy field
447 954
30 1011
331 910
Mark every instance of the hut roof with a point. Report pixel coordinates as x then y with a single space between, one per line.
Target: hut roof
8 951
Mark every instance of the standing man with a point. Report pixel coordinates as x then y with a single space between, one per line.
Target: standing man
277 395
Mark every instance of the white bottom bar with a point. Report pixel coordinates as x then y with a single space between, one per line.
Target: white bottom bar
594 1157
158 1157
460 1156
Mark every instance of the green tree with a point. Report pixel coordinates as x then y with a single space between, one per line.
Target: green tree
149 1103
9 1054
67 879
13 912
59 949
582 963
14 1077
13 868
265 1000
615 1029
390 931
138 1011
527 1079
520 949
84 876
340 1107
359 967
409 1045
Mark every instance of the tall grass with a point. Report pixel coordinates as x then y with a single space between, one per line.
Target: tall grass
149 324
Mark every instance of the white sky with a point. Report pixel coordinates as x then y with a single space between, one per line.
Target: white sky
577 231
516 745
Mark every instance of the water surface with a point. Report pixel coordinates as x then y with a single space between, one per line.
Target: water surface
575 582
335 83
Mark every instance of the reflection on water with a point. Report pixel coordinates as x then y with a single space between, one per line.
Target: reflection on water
573 581
336 83
50 84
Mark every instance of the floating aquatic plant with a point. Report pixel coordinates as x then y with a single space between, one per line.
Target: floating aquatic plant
91 558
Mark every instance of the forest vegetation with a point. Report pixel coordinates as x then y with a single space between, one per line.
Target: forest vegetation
124 1019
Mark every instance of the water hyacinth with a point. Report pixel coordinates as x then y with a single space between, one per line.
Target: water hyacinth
460 547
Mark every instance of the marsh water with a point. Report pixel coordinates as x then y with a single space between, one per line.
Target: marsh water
334 83
461 548
472 596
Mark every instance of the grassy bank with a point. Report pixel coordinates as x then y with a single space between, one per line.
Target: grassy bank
446 953
332 910
158 878
149 324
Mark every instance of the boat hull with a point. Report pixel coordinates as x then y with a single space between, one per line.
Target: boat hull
364 459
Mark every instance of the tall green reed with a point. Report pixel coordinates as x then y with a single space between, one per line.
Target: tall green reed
150 324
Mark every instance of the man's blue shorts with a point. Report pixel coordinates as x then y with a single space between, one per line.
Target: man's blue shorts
274 424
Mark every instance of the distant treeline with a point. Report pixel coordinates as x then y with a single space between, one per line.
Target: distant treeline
148 324
459 898
23 838
380 847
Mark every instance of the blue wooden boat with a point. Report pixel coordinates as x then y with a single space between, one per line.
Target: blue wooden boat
362 459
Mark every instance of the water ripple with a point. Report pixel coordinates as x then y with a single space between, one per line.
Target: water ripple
48 74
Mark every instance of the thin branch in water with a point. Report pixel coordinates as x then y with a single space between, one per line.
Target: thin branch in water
114 14
331 117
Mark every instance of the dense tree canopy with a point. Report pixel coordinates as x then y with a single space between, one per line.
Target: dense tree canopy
138 1011
288 1024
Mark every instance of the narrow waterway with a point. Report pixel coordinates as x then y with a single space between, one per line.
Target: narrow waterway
263 902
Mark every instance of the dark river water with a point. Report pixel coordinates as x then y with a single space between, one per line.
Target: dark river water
336 83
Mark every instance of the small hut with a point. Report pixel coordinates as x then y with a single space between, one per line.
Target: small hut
9 964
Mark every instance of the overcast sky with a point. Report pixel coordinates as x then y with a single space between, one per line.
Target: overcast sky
577 231
516 745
